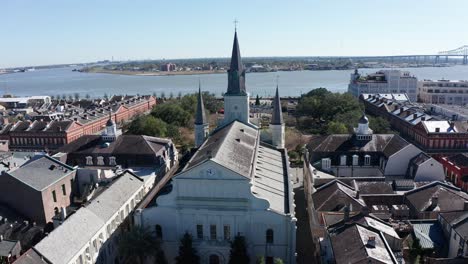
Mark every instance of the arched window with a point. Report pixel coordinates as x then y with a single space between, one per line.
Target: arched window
159 233
269 236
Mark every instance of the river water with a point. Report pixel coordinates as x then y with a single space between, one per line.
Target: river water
60 81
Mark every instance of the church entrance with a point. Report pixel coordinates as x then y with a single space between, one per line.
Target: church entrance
214 259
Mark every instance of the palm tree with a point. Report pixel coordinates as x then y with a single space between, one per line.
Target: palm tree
138 244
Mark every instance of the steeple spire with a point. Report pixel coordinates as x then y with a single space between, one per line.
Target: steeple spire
277 116
236 72
200 117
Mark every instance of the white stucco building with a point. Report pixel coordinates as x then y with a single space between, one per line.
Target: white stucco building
385 81
91 234
451 92
234 184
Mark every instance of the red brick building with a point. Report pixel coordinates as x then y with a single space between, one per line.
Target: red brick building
456 169
51 135
431 134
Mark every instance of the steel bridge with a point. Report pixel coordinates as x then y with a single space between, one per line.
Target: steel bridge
440 57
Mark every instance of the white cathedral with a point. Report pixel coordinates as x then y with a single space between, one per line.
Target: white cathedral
234 184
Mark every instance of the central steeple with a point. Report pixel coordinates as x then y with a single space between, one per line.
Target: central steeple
236 72
236 99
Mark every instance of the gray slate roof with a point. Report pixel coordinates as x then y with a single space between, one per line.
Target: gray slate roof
31 257
6 247
449 198
80 227
388 144
350 246
41 173
232 146
429 233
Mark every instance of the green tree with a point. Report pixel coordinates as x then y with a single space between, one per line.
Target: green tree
187 253
318 92
336 128
172 114
379 125
173 132
77 96
87 96
238 253
189 103
138 244
163 95
148 125
212 104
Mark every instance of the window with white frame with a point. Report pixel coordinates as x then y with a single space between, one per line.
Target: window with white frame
355 160
89 160
326 163
367 160
100 161
343 160
112 161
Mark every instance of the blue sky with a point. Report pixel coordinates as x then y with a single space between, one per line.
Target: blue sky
42 32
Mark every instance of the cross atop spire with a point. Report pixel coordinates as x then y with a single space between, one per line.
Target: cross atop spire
235 24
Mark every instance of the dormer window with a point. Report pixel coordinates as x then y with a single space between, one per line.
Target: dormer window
326 164
367 160
100 161
89 161
112 161
355 160
343 160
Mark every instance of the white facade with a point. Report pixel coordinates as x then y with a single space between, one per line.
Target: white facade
236 107
277 135
90 234
386 81
201 132
443 92
216 200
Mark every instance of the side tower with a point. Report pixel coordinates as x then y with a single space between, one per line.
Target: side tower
276 123
201 122
236 100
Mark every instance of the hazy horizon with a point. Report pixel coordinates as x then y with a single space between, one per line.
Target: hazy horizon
58 32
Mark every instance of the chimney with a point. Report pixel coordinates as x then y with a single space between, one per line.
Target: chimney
63 214
423 118
371 242
365 210
346 213
396 107
434 200
415 116
437 129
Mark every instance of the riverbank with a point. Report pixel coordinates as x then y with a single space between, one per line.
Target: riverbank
146 73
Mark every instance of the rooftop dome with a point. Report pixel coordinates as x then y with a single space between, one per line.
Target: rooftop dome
363 119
